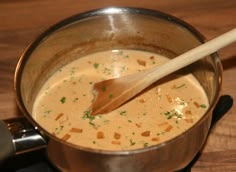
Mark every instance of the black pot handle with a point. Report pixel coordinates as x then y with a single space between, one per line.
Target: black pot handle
18 136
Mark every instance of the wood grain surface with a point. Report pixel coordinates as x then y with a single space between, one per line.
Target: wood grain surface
22 20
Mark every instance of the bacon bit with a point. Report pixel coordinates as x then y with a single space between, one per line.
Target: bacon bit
145 133
89 62
138 125
100 135
74 82
141 62
66 137
188 112
152 57
142 100
169 128
155 139
76 130
115 142
53 133
189 120
163 124
59 116
196 104
117 135
169 98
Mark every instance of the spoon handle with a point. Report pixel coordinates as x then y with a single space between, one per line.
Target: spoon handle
191 56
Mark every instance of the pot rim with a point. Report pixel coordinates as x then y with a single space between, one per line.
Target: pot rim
104 11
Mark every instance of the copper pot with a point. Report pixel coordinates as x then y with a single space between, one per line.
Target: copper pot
115 28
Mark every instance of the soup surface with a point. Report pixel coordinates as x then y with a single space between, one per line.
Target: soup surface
164 111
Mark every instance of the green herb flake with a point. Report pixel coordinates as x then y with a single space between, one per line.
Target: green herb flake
129 121
59 129
88 116
76 99
203 106
145 145
167 113
132 142
96 65
172 114
123 113
63 100
91 123
94 142
110 96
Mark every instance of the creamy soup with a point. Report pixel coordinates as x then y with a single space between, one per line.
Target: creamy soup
162 112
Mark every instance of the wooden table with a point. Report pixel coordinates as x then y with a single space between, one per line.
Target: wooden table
21 21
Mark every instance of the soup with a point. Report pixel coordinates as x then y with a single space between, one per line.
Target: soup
162 112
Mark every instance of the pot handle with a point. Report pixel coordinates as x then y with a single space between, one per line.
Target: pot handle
18 136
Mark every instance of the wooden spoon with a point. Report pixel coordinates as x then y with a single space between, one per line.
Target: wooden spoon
110 94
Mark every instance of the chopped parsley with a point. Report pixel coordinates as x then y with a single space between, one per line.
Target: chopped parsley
203 106
63 100
59 129
76 99
123 113
88 116
92 123
95 65
132 142
173 114
145 145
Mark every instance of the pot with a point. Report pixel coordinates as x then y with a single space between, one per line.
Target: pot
97 30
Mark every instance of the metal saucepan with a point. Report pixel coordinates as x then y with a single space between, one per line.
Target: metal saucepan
97 30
